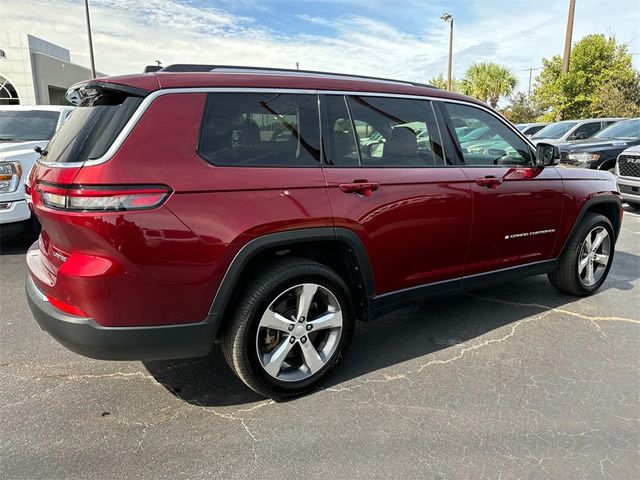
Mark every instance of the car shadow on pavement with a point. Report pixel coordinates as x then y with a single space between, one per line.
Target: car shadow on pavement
13 244
413 332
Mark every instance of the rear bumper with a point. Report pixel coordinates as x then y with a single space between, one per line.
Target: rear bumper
85 337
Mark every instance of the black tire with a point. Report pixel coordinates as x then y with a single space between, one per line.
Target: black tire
238 339
565 277
634 205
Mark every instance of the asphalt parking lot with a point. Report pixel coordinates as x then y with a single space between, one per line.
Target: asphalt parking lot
515 381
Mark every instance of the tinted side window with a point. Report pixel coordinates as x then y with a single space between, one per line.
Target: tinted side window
586 130
396 132
495 144
337 133
261 129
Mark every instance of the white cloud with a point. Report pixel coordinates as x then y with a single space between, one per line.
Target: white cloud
129 35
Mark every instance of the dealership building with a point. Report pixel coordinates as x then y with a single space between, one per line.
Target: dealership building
35 72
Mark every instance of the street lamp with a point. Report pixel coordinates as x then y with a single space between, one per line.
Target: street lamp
448 18
93 65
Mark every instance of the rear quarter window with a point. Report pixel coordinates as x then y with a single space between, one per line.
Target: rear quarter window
91 128
261 129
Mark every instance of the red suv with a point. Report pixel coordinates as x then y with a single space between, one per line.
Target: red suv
270 209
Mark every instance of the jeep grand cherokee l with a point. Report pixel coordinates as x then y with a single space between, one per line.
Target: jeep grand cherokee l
175 214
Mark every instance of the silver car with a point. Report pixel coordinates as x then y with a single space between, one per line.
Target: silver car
568 130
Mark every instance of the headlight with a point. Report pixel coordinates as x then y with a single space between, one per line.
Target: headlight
10 174
583 157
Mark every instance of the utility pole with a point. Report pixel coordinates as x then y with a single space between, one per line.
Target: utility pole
567 46
530 70
567 39
448 18
297 65
158 62
93 64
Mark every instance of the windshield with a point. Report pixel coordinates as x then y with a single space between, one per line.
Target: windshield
475 134
629 130
27 125
555 130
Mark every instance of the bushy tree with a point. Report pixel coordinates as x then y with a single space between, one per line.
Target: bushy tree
488 81
618 98
439 81
521 109
596 61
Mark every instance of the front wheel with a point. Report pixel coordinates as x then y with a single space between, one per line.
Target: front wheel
290 328
587 257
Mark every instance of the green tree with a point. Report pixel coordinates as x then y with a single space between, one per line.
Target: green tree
488 81
597 64
440 82
522 109
618 98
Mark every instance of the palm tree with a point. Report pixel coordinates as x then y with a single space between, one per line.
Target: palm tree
488 81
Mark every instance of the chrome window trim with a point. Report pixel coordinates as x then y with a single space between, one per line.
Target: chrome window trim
149 99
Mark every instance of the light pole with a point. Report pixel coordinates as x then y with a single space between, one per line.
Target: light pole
448 18
93 65
530 70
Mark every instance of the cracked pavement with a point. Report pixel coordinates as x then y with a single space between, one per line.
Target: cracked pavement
513 381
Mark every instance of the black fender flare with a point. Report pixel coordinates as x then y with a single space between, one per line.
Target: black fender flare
282 239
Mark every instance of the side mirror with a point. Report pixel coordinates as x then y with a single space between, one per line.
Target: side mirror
547 154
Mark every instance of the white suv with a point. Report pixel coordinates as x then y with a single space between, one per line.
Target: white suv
21 130
628 176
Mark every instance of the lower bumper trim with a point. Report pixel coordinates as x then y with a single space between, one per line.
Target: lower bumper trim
85 337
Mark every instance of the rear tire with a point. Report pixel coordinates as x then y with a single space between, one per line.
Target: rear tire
585 262
289 328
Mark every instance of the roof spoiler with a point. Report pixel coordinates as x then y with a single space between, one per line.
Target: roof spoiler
91 88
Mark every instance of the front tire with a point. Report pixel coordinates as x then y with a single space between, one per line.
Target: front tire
290 328
587 257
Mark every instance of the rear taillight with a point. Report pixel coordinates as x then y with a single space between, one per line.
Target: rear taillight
83 198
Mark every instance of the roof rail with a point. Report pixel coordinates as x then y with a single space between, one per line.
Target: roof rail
192 67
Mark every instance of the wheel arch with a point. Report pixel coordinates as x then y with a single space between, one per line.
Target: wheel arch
338 248
609 206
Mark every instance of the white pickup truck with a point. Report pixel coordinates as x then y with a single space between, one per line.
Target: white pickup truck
21 130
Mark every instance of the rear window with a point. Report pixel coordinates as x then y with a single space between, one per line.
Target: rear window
27 125
91 128
261 129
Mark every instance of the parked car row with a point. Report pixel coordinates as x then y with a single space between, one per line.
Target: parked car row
22 129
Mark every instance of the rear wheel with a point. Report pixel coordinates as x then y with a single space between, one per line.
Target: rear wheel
587 258
290 328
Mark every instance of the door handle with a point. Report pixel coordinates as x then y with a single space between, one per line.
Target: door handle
359 187
489 181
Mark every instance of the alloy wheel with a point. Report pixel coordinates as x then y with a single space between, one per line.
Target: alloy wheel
299 332
594 256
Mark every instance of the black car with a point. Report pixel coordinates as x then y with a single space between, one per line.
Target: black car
600 151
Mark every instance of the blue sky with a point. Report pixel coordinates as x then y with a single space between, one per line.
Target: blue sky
395 38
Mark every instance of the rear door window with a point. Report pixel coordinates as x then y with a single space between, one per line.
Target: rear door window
261 129
396 132
91 128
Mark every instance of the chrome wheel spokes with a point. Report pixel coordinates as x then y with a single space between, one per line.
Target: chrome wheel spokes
594 255
299 332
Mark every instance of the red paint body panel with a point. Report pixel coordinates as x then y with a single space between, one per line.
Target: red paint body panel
528 200
416 227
